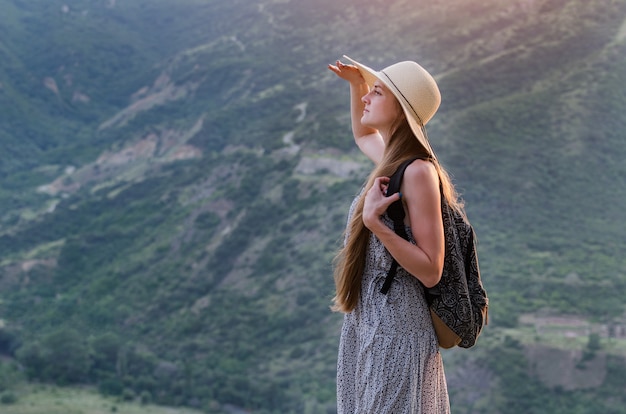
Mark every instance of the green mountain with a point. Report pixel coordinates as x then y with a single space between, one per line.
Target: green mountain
176 176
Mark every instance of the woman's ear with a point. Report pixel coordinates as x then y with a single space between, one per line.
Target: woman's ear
400 119
401 115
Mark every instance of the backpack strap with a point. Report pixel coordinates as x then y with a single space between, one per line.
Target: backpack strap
396 213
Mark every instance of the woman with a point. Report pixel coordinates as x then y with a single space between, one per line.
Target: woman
389 360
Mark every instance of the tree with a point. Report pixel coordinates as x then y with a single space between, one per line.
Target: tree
66 356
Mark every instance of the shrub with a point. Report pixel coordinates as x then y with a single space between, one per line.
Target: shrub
8 398
128 394
145 397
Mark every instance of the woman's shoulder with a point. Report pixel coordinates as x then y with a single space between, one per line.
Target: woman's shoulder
421 171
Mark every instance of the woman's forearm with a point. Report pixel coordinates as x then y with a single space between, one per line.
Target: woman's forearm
409 256
357 91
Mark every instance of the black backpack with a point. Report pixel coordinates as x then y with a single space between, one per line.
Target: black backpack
458 303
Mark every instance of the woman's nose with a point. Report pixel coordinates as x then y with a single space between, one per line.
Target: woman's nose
365 98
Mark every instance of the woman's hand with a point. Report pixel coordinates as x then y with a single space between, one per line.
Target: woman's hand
347 72
376 203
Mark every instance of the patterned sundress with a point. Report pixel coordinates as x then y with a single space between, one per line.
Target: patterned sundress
389 360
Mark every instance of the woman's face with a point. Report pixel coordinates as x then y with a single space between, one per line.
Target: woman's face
381 108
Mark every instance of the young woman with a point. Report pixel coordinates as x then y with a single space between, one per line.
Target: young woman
389 360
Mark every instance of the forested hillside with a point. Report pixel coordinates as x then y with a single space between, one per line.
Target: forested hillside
175 177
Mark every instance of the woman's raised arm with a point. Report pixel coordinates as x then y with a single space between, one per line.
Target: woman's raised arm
367 139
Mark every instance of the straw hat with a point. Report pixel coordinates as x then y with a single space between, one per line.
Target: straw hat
415 89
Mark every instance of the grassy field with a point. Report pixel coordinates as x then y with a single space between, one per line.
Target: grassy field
54 400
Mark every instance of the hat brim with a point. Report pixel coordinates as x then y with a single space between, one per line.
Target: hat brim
371 76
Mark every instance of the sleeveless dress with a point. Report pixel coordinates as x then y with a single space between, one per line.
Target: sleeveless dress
389 360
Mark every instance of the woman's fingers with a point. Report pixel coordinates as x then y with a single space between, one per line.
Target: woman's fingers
382 183
376 202
348 72
378 193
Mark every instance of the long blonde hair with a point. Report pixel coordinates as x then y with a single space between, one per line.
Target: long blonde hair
350 260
